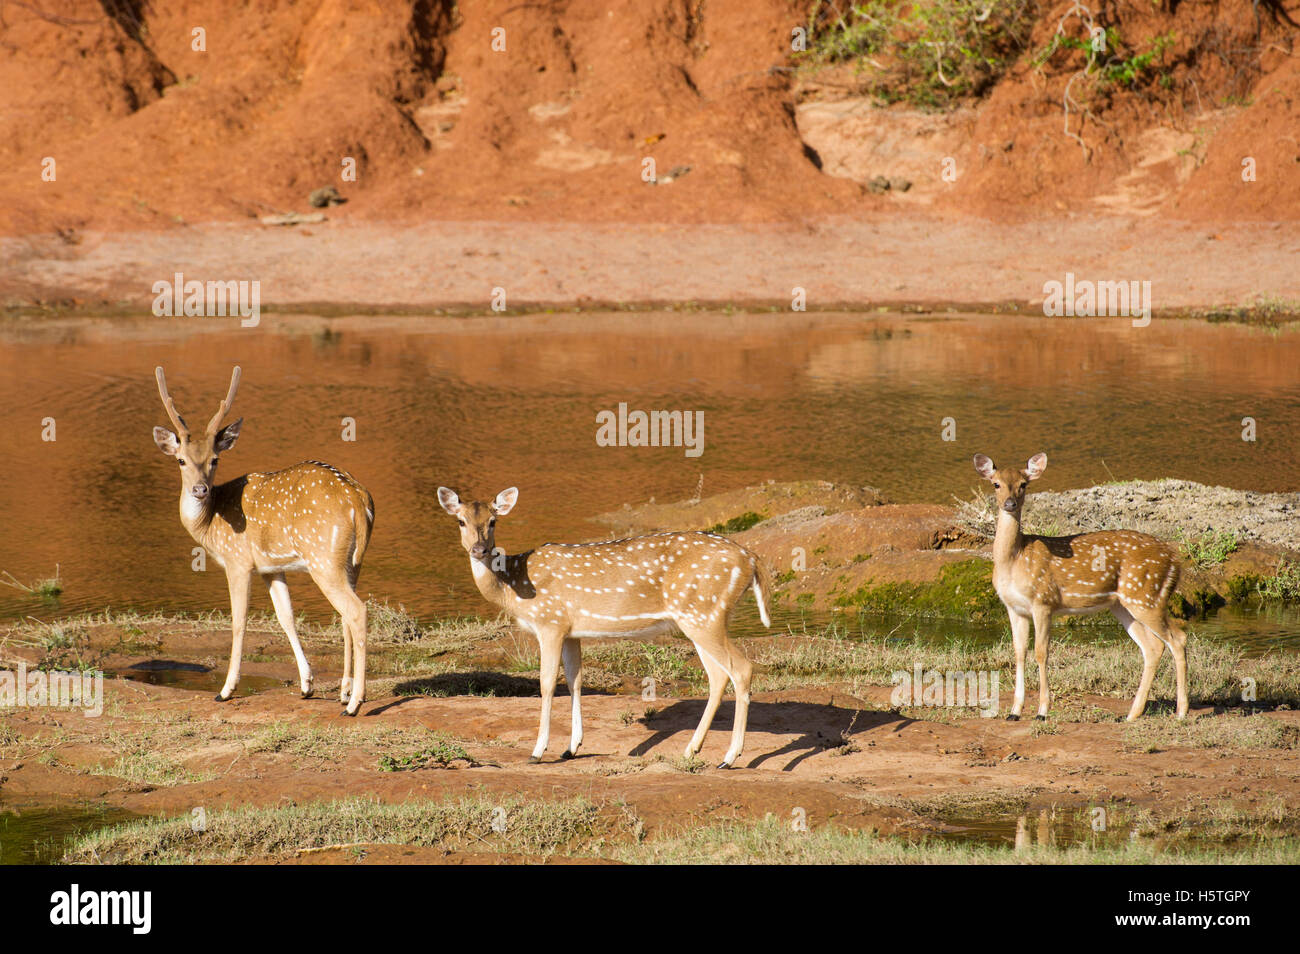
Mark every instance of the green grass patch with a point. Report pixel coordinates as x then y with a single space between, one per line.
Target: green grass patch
476 823
963 591
737 524
1209 549
662 662
774 841
1080 663
1223 731
1283 586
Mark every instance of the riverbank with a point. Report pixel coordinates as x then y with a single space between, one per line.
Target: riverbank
1227 271
440 751
451 718
846 549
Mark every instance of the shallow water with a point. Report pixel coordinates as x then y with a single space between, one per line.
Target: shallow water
36 836
479 404
1060 828
194 677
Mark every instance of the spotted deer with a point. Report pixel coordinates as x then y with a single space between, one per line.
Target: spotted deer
641 586
1129 573
309 517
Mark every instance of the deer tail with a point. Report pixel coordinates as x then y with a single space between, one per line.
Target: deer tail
762 591
363 520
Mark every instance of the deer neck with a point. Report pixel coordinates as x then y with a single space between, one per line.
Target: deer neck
493 583
1008 541
199 516
196 515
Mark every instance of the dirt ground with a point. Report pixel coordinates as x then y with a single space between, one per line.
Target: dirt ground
837 756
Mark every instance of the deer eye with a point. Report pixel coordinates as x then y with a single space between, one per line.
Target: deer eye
461 522
996 485
179 461
215 459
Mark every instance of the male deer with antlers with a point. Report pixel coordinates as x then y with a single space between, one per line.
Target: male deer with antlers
640 586
1129 573
310 517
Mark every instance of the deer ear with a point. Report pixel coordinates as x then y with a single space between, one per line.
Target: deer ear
984 466
227 436
450 502
505 501
1037 464
167 442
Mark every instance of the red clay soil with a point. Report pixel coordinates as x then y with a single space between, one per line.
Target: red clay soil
148 133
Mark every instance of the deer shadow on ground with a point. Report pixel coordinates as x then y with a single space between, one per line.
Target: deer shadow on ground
821 727
482 683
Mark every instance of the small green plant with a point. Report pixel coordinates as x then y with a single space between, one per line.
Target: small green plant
442 751
1209 549
524 655
691 765
1130 70
1283 585
930 55
737 524
47 589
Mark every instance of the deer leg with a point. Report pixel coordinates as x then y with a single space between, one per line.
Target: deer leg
549 645
717 686
279 590
352 613
741 672
357 694
345 684
1163 631
1176 640
734 665
1042 639
572 654
238 583
1152 649
1020 639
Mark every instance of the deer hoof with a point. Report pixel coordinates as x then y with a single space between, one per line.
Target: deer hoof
1013 718
724 765
1040 718
534 759
220 698
566 755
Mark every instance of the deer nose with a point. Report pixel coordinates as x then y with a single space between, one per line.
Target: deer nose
478 551
1009 504
199 490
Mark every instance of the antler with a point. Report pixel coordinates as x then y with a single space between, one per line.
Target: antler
178 422
225 405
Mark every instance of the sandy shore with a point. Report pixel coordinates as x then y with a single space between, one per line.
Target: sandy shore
862 263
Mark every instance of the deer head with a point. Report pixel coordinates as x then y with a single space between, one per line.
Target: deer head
197 454
478 520
1009 484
